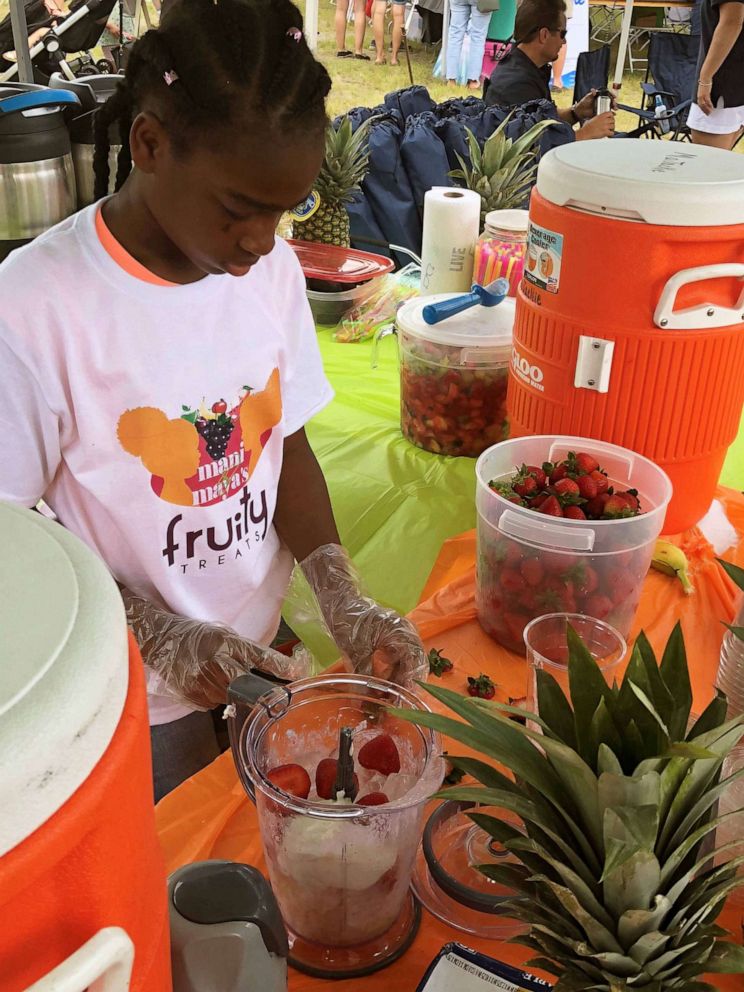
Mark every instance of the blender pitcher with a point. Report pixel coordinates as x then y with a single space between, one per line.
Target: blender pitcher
340 871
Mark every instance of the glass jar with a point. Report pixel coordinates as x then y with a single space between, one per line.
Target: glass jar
501 249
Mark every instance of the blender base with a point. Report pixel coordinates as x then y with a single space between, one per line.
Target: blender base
324 961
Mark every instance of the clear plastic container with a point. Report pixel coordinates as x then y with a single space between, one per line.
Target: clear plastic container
500 251
453 377
592 567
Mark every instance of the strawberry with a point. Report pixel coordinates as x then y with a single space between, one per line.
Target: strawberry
585 580
511 580
515 624
532 571
566 487
619 585
595 507
631 498
598 605
588 488
292 779
325 778
373 799
603 483
537 474
556 561
482 687
616 508
514 498
513 553
538 500
551 507
559 472
585 463
525 486
438 664
574 513
380 755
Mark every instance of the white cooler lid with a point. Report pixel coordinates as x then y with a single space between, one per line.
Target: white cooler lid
656 182
478 327
63 668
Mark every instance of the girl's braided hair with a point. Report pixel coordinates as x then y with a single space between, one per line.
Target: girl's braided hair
213 64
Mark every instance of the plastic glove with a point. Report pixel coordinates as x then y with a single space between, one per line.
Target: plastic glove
197 661
361 627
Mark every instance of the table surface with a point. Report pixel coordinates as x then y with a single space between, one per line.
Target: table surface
209 816
388 495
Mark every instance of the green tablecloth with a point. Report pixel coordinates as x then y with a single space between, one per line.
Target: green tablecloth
396 505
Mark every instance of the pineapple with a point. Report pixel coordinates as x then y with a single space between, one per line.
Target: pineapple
344 167
504 172
618 801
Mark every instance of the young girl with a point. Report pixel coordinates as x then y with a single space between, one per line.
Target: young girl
158 363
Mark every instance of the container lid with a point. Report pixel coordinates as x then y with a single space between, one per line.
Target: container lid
654 182
63 626
478 327
330 263
514 221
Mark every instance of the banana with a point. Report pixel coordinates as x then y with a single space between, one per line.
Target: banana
671 560
206 414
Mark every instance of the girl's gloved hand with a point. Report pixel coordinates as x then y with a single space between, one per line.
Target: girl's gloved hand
364 631
197 661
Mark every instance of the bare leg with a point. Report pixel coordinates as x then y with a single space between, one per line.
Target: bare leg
399 14
725 141
342 8
558 68
360 25
378 23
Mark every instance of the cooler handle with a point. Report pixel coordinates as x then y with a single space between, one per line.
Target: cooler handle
706 314
545 534
103 964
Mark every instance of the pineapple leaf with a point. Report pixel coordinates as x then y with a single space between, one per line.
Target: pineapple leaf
676 675
529 139
599 933
633 884
587 686
556 710
677 857
651 681
607 761
635 922
701 807
726 959
498 829
648 946
649 706
735 573
511 876
604 732
486 774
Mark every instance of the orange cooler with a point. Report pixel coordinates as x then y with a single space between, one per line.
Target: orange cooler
82 881
630 317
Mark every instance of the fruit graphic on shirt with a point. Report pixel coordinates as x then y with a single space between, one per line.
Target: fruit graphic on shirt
216 432
219 407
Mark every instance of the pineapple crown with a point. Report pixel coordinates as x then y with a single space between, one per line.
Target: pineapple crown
504 172
215 64
617 876
345 162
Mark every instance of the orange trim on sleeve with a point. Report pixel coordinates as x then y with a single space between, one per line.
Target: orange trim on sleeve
122 257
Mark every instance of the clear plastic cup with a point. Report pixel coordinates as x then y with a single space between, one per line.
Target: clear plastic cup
730 678
546 640
733 830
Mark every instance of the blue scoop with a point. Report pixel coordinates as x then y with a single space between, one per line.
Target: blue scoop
486 296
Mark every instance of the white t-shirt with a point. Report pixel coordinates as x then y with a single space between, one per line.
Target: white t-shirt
151 419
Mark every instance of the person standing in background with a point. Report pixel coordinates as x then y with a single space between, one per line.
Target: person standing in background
716 116
378 22
560 62
465 18
360 26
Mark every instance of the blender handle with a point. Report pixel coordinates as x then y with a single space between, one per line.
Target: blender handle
242 695
706 314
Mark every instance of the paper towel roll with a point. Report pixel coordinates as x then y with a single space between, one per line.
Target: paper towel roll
451 228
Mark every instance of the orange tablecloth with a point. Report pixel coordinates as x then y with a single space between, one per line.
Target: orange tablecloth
209 816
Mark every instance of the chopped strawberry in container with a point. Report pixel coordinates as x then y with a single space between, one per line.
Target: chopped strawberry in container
453 377
565 525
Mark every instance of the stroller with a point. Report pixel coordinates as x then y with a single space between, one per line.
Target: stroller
77 33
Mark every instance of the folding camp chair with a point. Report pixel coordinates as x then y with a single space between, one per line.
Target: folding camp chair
592 71
672 63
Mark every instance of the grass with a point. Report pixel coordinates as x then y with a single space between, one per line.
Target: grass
364 84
